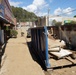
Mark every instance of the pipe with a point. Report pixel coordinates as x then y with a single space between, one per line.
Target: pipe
46 49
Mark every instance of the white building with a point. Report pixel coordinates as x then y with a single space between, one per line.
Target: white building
49 22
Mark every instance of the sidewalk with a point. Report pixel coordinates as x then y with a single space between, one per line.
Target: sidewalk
18 60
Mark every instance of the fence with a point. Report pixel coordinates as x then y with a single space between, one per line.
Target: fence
39 41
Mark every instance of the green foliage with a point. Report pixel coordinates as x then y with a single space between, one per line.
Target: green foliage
23 15
54 22
75 16
58 23
72 22
7 28
13 33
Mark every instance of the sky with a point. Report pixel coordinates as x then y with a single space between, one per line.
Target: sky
41 7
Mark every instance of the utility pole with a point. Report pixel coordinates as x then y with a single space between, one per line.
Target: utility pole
48 15
29 22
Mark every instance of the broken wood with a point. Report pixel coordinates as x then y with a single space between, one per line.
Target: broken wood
54 49
62 53
71 60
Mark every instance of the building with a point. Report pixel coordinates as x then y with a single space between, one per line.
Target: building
68 19
25 25
52 19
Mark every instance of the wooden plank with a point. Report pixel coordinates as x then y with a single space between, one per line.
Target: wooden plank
62 53
54 49
71 60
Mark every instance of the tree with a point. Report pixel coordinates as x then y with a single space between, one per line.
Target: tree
23 15
58 23
75 16
73 22
69 23
53 22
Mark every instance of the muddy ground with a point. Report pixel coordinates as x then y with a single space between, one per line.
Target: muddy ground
18 60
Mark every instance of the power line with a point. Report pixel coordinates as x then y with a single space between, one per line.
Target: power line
68 12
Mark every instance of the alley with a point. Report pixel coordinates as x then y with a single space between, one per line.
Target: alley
18 60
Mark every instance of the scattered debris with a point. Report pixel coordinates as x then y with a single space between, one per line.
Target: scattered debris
62 53
54 49
73 55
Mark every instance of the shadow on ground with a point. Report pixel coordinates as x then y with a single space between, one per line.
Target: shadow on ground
2 51
35 57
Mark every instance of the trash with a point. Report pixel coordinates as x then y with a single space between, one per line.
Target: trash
62 53
73 55
22 33
55 49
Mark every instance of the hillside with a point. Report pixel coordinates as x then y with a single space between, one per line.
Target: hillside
23 15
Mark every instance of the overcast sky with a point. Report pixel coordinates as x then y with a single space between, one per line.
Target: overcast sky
40 7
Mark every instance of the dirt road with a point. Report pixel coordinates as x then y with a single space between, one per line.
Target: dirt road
18 60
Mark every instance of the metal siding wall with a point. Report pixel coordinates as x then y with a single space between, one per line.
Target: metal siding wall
40 44
8 12
1 10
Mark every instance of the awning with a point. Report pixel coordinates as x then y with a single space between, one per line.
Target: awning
4 20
